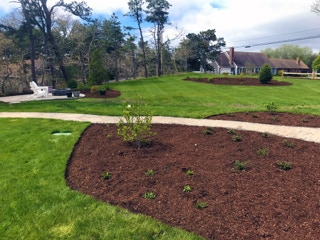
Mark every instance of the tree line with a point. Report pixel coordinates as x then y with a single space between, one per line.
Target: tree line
49 45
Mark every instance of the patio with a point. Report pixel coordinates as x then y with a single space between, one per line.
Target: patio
30 97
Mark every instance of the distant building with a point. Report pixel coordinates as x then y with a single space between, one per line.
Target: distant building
234 62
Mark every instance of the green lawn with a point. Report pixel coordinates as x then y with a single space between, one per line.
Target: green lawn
35 202
171 96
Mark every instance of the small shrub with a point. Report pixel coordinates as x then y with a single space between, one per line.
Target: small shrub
136 125
149 195
149 173
201 205
263 152
236 138
266 135
190 172
106 175
239 165
284 165
271 107
208 131
265 74
231 131
187 188
288 143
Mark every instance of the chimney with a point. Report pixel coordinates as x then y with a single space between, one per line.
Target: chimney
298 61
231 54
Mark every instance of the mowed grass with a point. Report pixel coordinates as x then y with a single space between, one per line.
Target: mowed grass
172 96
35 202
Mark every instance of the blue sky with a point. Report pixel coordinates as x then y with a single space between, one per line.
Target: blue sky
255 23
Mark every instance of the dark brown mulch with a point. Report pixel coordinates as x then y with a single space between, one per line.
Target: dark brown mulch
238 81
261 202
277 118
109 94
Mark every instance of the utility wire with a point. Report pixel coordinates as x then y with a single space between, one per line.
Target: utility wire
279 41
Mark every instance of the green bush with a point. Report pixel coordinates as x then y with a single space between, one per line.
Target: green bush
265 74
97 74
72 84
135 126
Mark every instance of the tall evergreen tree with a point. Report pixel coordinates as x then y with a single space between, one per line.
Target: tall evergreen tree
157 13
135 7
205 46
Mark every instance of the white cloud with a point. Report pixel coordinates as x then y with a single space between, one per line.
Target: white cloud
233 19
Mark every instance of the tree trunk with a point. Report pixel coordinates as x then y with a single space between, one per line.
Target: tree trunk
143 52
52 41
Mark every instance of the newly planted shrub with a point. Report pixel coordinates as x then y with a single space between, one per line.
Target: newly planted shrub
201 205
149 173
189 172
263 152
135 127
239 165
187 188
231 131
271 107
284 165
149 195
265 135
288 143
208 131
265 74
236 138
106 175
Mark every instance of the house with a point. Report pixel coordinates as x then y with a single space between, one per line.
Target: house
234 62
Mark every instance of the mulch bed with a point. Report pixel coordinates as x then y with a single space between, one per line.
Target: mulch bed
260 202
238 81
110 93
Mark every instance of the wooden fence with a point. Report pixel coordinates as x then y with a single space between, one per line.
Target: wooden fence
312 75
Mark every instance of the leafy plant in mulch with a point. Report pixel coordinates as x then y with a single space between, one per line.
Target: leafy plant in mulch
263 152
189 172
288 143
239 165
149 195
201 205
135 127
231 131
266 135
208 131
236 138
284 165
149 173
106 175
187 188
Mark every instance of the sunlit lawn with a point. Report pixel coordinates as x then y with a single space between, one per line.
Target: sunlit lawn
172 96
35 202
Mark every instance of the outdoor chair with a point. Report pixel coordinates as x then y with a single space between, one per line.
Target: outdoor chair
38 91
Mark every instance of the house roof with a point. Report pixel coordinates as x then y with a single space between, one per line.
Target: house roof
250 59
223 60
257 60
288 63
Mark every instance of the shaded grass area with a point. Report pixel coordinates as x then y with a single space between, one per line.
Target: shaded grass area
172 96
35 202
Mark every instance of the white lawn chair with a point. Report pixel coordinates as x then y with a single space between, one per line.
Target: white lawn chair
38 91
